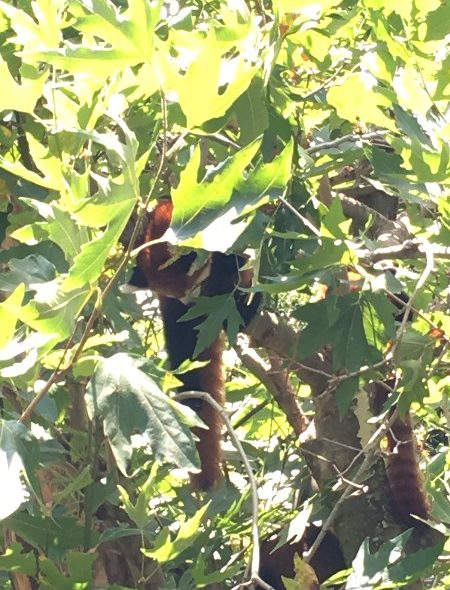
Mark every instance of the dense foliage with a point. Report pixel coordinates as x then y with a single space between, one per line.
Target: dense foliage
313 135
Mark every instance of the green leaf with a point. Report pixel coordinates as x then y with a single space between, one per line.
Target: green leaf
100 62
129 401
196 205
334 223
319 317
167 550
330 253
203 97
414 345
9 314
415 565
54 311
111 200
210 209
437 23
16 560
21 171
251 112
12 490
30 270
350 346
88 265
316 43
345 392
43 29
25 351
140 512
203 579
378 318
366 103
55 534
388 566
24 95
79 574
216 311
131 31
79 482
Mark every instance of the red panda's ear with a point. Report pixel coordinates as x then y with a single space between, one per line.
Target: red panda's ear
160 218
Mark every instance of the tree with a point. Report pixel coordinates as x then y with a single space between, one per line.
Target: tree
313 134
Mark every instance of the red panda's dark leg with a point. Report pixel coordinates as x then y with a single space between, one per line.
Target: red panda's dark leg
181 339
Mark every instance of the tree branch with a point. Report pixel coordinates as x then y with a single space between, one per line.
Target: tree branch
346 138
409 249
276 380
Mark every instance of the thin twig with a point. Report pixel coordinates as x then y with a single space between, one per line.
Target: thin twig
346 138
256 554
301 217
418 313
54 377
324 85
334 380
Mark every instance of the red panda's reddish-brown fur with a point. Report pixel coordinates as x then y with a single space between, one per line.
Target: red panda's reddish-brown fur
405 478
175 280
164 276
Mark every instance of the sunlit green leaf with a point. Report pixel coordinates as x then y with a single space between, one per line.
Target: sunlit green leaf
23 95
202 98
366 105
9 313
166 549
16 560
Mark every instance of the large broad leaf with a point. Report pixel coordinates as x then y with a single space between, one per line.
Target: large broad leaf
112 206
129 401
251 112
204 97
99 62
388 566
88 265
44 30
61 229
129 36
351 349
18 169
54 534
53 311
131 31
77 572
207 212
16 560
319 317
21 355
28 271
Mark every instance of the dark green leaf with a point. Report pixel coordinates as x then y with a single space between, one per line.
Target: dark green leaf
129 401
